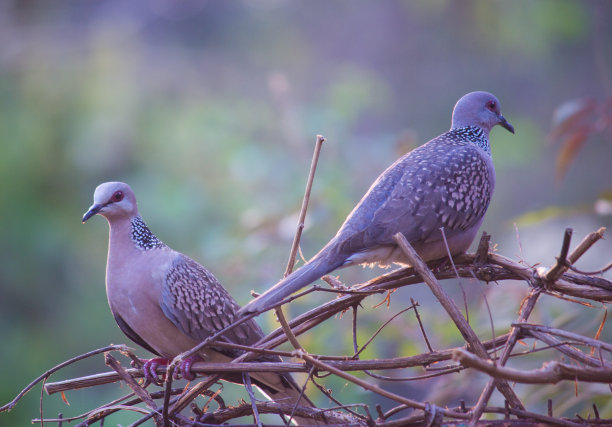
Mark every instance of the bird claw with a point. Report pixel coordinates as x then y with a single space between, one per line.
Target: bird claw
185 369
149 368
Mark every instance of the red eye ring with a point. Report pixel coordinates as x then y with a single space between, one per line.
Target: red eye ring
118 196
491 105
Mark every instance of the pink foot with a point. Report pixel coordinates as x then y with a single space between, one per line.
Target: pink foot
150 366
185 369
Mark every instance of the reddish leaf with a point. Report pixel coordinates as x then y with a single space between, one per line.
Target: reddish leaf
570 115
573 123
64 399
572 143
601 326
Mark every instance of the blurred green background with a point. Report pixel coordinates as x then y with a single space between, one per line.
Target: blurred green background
209 110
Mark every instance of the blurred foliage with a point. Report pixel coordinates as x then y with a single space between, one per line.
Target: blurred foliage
210 110
574 122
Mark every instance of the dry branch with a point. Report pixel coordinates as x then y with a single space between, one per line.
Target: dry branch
562 280
205 368
492 267
526 307
565 334
453 311
296 239
227 414
551 373
136 388
62 365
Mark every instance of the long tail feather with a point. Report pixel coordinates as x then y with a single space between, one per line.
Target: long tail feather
303 276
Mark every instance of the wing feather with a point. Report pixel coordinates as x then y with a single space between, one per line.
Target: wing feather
452 191
194 300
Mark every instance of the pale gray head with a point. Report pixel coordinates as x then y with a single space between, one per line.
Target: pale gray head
480 109
113 200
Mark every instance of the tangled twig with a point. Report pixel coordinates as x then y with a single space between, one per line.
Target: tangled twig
168 406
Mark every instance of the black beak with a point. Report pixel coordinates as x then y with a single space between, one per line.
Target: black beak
94 209
504 123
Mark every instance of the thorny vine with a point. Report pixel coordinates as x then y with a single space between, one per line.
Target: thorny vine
585 359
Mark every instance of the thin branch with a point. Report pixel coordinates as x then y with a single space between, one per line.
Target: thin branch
529 303
178 359
246 378
42 422
451 308
569 350
562 263
450 258
136 388
244 409
354 333
527 307
550 373
371 387
439 372
56 368
189 395
111 407
166 406
561 266
296 239
526 415
238 367
379 330
285 325
591 273
416 313
565 334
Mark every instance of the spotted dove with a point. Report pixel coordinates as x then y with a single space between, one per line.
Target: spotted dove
445 184
168 303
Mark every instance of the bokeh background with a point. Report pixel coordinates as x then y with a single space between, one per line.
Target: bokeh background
210 110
